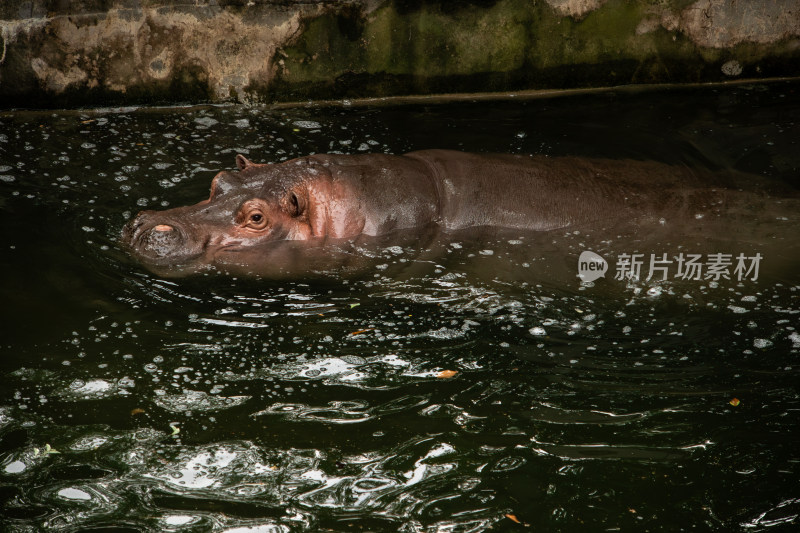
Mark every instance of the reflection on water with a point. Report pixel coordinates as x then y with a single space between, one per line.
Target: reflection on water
472 385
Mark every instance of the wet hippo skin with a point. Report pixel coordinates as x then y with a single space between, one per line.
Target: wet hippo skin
267 218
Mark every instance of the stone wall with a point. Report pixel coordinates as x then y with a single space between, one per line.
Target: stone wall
62 53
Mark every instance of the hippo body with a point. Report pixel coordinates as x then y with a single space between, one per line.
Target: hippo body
278 218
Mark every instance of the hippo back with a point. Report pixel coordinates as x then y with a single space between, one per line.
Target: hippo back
544 193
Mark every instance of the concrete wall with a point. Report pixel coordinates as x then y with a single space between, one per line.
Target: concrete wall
62 53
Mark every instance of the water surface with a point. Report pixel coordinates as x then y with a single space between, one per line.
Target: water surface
481 387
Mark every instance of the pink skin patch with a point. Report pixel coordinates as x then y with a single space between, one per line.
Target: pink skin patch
163 227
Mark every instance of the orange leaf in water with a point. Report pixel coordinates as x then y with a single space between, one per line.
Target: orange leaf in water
734 402
361 331
137 411
444 374
513 518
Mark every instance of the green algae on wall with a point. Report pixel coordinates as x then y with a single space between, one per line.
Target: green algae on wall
518 44
100 52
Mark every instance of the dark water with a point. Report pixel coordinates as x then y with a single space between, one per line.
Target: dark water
133 403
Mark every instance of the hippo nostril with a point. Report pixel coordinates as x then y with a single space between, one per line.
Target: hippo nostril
161 240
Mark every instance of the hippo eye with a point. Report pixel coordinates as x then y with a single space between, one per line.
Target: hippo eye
256 220
252 215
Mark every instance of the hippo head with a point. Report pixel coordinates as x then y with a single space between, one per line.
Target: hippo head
246 215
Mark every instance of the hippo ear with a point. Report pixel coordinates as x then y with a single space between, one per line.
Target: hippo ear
242 162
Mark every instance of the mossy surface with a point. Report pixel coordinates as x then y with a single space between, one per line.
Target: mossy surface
140 51
505 45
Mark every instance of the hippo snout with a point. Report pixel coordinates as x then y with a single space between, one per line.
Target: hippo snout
151 236
161 240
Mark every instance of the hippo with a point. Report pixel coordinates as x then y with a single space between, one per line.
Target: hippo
284 218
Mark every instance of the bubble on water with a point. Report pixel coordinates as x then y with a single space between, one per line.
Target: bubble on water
397 250
655 291
89 443
191 400
762 343
537 331
307 124
15 467
353 359
71 493
179 520
445 333
7 178
795 338
205 122
90 388
738 310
